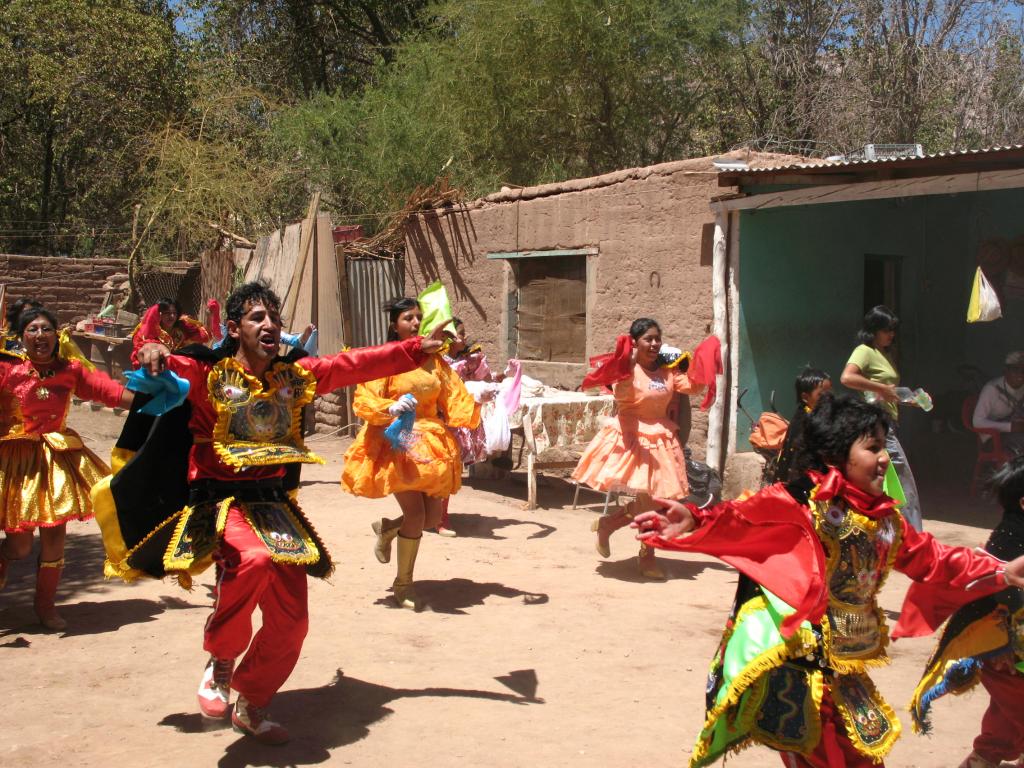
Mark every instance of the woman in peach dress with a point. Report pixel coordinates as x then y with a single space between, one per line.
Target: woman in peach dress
638 451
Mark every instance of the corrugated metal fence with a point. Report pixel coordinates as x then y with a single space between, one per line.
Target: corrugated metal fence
371 282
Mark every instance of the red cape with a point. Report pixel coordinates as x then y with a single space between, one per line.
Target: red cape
613 368
770 538
706 365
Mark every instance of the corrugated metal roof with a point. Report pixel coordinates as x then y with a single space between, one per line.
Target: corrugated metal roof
955 158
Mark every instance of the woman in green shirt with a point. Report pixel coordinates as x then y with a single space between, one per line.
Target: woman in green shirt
871 370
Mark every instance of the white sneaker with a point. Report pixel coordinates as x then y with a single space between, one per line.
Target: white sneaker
974 760
253 721
215 688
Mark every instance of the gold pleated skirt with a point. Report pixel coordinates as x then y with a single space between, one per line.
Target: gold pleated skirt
42 486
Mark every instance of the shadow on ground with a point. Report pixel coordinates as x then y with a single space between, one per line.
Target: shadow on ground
473 526
88 617
454 596
339 714
674 568
107 611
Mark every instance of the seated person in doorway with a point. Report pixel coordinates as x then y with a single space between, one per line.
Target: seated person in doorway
1001 404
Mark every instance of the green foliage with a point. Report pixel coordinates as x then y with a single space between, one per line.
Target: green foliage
212 165
106 109
296 48
83 83
519 93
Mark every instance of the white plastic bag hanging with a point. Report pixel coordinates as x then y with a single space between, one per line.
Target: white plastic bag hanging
984 303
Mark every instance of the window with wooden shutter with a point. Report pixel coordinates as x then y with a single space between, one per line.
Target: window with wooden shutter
549 316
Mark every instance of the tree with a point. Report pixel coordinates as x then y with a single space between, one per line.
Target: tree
83 82
297 48
215 164
520 93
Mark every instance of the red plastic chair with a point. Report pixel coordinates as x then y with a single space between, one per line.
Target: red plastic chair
990 451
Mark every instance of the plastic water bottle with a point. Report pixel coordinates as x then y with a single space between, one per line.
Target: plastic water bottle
917 397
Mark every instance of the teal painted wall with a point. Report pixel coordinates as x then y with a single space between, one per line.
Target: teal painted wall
802 290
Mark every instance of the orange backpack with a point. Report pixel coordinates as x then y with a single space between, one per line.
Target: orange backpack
770 432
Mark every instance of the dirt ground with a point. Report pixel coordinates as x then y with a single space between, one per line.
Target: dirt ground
534 651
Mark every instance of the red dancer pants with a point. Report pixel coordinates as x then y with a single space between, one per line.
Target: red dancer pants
247 578
1002 727
835 750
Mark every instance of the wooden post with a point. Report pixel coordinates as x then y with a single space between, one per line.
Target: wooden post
308 228
716 421
531 461
732 362
347 329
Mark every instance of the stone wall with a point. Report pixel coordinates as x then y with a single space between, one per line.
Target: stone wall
72 288
329 411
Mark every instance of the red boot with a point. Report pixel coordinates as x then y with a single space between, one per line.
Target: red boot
444 527
47 579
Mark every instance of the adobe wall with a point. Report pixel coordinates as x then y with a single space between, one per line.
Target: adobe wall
72 288
646 225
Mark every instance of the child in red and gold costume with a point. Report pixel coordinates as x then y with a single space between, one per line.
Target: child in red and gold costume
791 670
161 515
46 472
982 642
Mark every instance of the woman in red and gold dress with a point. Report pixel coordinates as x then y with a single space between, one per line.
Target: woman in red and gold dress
46 472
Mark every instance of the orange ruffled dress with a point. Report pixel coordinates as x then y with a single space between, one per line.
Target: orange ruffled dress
638 450
433 463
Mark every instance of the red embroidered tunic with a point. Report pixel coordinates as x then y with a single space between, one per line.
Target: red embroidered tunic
37 396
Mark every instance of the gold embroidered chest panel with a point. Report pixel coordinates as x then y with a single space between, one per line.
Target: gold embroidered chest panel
859 554
257 425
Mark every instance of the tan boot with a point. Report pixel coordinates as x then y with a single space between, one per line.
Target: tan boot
47 579
386 531
605 526
649 567
405 595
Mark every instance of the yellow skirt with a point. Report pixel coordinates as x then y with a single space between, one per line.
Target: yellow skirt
43 486
432 465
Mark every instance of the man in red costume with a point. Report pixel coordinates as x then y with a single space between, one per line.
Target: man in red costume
245 413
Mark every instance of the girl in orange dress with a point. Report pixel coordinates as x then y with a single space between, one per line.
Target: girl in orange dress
46 473
429 470
638 452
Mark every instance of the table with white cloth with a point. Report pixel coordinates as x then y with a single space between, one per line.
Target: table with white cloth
566 421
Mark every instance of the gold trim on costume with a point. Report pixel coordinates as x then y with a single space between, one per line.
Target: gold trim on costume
195 539
285 538
807 707
799 644
871 725
257 426
855 635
